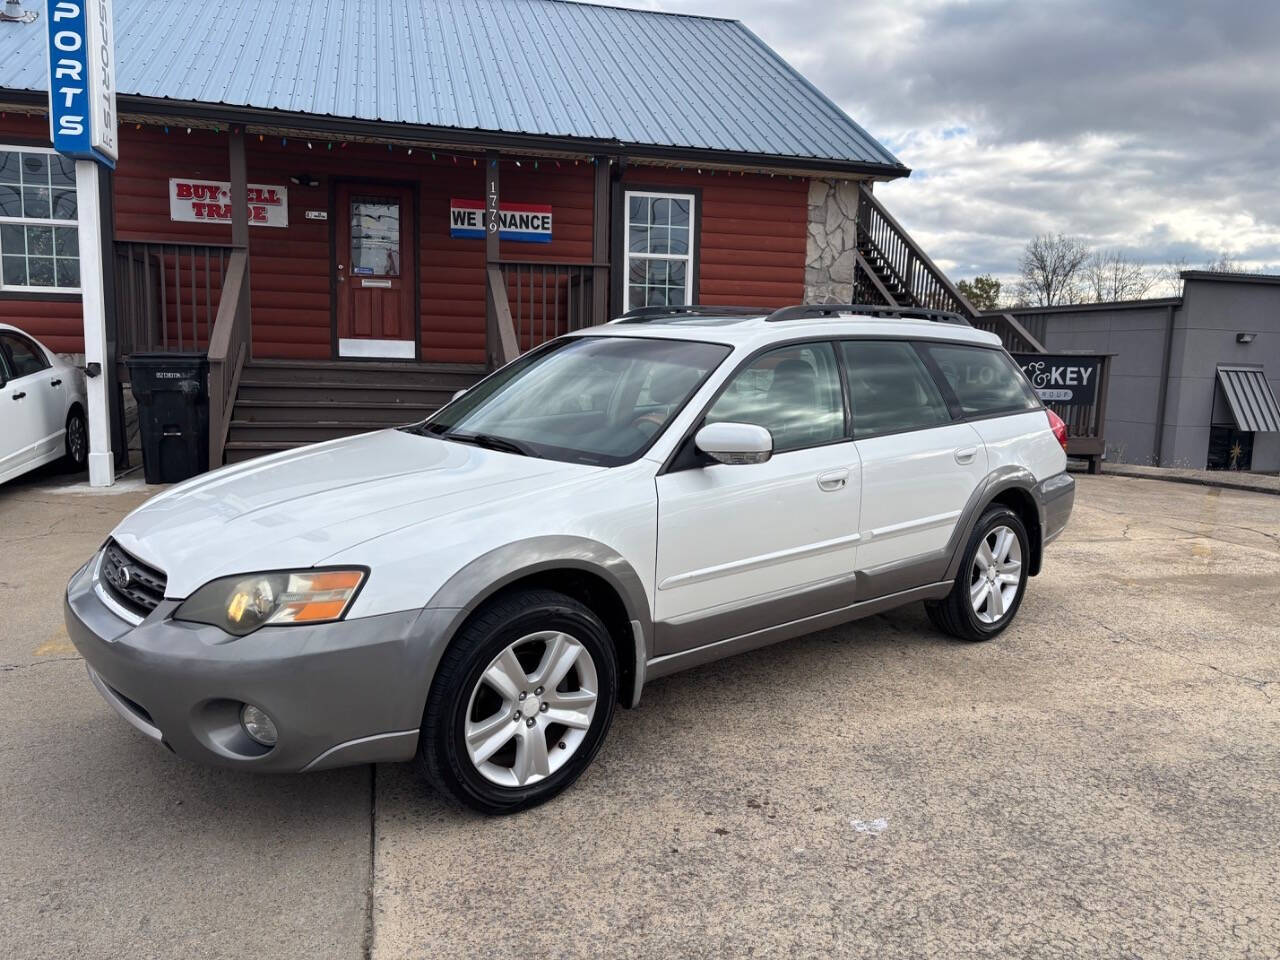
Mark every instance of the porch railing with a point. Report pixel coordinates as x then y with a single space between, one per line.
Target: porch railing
536 301
188 298
892 268
168 295
548 299
228 350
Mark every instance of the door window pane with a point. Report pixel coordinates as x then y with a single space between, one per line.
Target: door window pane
375 237
985 381
890 389
793 392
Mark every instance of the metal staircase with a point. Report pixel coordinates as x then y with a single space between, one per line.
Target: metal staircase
891 268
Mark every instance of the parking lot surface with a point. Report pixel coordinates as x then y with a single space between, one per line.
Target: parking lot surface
1101 780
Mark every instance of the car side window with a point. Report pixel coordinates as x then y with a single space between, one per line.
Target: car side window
985 382
793 392
890 388
23 357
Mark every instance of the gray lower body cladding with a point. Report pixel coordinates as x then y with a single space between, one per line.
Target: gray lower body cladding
763 620
1055 497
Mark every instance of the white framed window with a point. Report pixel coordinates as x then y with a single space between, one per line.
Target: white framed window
39 245
659 244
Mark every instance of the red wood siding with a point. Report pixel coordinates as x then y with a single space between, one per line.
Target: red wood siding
290 268
752 234
57 324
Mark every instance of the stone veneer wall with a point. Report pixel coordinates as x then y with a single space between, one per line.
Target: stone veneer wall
829 250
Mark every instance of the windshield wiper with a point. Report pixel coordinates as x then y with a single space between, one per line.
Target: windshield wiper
491 442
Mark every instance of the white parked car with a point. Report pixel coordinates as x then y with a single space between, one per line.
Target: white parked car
481 590
42 406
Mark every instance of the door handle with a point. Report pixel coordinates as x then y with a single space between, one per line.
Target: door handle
965 455
19 396
55 383
833 481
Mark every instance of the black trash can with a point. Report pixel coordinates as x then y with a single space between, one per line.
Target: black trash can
172 390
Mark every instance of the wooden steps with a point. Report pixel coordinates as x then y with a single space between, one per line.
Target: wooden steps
283 404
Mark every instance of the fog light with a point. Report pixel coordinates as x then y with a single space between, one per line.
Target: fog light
258 725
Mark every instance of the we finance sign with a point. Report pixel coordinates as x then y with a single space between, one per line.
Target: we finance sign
521 222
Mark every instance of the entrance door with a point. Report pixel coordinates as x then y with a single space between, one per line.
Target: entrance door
375 270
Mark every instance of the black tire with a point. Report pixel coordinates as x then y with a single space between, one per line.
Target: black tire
442 751
76 440
955 613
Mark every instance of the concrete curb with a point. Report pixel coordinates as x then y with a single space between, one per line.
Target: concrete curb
1205 479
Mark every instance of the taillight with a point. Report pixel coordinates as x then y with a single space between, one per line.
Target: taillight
1059 429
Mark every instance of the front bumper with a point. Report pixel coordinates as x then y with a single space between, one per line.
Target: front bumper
339 693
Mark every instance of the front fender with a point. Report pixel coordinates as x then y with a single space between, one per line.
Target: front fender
460 595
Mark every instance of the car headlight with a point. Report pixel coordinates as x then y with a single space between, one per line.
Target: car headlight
240 605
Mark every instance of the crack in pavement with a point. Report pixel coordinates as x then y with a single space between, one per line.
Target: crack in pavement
1257 683
10 667
1166 521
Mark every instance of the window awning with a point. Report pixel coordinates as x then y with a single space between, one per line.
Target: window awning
1253 405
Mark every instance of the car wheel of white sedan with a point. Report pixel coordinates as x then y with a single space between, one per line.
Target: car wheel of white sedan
521 702
77 439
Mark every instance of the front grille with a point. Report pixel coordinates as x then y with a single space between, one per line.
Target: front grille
130 582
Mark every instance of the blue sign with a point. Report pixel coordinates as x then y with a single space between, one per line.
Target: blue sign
82 75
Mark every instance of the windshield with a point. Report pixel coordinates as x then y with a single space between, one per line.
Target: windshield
598 400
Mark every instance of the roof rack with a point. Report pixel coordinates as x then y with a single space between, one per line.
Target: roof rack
645 314
815 311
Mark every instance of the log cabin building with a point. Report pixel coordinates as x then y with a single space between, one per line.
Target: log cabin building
305 192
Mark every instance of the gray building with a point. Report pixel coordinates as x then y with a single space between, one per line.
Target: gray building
1193 378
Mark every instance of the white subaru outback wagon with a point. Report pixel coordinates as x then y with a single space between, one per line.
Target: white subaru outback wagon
482 589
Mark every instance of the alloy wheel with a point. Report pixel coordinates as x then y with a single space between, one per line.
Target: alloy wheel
531 708
76 440
996 575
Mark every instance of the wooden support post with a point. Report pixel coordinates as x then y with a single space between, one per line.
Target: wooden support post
492 248
240 229
600 243
239 191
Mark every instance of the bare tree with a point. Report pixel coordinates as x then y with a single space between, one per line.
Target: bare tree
1111 275
1224 264
1051 270
1170 276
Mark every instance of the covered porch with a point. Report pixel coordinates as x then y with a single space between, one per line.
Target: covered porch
341 282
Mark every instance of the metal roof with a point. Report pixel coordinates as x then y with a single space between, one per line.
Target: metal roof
543 67
1253 405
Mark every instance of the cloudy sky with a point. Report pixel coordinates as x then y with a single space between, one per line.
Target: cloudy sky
1152 126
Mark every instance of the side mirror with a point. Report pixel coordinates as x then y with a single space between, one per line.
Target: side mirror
458 394
735 443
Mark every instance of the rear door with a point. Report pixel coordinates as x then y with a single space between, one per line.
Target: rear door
34 397
919 466
748 546
374 272
994 396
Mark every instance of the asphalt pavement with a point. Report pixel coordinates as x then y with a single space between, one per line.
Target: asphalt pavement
1103 780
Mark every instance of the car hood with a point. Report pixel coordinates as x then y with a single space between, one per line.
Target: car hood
297 508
